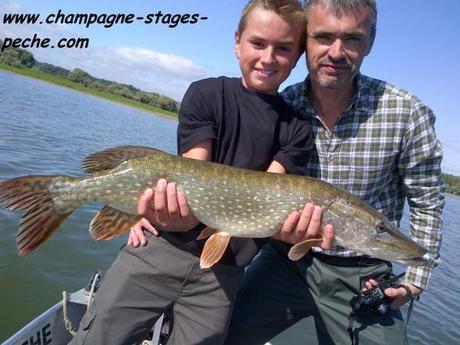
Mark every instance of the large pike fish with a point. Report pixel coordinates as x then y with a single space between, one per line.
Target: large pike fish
232 202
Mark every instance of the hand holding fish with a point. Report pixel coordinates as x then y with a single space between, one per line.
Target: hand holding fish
170 209
306 225
165 207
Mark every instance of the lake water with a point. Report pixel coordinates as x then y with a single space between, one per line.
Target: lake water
45 129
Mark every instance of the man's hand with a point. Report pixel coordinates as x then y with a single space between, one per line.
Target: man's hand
137 237
170 211
398 296
306 225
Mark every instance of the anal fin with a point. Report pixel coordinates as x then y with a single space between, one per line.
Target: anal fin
110 223
213 250
299 250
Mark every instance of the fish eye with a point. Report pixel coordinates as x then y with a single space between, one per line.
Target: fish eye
380 228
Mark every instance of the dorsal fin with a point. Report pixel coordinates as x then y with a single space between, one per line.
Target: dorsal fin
110 223
213 249
110 158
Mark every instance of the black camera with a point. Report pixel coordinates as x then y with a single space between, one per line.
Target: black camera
374 299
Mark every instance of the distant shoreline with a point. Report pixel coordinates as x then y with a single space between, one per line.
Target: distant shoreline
56 80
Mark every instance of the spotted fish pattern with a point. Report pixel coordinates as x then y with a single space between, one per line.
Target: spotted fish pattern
231 202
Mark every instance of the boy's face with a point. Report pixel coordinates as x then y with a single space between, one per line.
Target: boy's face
268 49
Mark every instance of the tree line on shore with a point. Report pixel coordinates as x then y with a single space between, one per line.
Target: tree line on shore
22 58
452 183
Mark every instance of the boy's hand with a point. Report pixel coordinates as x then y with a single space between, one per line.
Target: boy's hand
299 227
170 209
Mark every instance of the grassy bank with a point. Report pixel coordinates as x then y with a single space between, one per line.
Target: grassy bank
32 73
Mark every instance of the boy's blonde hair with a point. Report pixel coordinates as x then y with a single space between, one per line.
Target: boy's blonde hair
290 10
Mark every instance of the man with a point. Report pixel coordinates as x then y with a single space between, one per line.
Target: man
376 141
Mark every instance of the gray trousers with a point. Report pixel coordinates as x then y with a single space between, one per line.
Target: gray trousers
143 282
276 293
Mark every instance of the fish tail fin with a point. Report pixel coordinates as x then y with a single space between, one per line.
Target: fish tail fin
299 250
213 250
41 218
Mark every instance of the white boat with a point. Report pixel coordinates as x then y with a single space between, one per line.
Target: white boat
55 325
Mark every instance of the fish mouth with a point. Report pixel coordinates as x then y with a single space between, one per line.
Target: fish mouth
416 261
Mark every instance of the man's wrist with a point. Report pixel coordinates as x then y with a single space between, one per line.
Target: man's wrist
415 291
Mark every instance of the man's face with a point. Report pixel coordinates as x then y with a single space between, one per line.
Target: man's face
267 49
337 45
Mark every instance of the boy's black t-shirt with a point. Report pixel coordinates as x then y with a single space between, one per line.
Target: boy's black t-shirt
249 130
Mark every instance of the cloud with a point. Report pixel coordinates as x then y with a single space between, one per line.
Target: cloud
171 64
9 6
149 70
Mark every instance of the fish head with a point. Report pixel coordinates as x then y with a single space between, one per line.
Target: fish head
361 228
387 242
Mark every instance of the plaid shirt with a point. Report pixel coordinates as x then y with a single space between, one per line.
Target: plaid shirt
383 148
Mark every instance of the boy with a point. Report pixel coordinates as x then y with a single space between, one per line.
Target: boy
236 121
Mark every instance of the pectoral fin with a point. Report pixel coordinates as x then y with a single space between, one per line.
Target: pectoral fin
110 223
299 250
205 233
213 250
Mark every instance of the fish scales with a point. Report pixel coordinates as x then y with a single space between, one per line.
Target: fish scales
234 202
237 202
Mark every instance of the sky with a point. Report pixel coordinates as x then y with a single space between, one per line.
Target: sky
417 48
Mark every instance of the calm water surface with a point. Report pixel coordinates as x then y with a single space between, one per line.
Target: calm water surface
45 129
